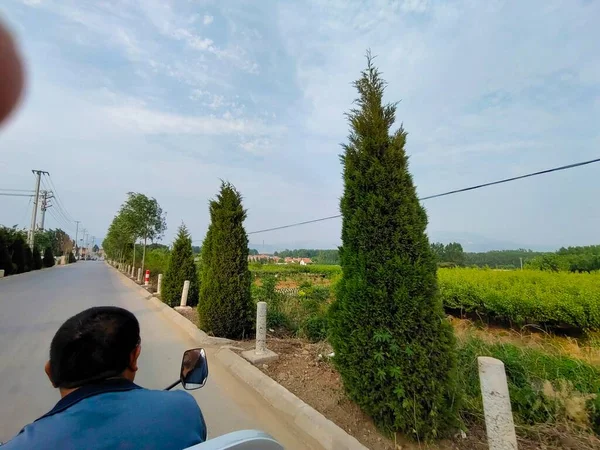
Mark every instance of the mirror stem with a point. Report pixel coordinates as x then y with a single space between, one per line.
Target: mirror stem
171 386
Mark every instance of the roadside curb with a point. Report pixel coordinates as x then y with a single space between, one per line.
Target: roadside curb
306 418
43 269
192 330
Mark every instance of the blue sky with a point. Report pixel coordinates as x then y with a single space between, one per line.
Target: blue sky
169 97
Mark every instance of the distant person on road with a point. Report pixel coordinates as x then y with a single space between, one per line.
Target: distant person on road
93 362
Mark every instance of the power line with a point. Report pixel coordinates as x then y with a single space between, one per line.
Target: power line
443 194
59 202
16 190
6 194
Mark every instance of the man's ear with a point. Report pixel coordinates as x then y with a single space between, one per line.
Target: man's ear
133 358
48 372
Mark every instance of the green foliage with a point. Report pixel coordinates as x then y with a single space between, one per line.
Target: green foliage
572 259
72 258
501 259
315 327
57 239
450 254
328 271
5 259
394 349
225 307
28 258
180 268
157 262
266 293
534 378
37 258
48 257
524 296
18 254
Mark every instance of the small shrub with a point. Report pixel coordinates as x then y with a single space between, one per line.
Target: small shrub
18 255
72 258
314 328
48 257
37 258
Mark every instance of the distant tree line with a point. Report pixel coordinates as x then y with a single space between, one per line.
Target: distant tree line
16 256
570 259
318 256
501 259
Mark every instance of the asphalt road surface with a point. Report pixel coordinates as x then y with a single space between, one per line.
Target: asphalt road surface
34 305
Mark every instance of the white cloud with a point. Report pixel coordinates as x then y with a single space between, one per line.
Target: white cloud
147 121
208 19
257 146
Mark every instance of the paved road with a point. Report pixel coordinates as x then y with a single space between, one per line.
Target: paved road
34 305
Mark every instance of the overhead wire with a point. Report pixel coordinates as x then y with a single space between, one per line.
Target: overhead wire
443 194
59 201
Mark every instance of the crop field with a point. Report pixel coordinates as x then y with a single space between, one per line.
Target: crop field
528 297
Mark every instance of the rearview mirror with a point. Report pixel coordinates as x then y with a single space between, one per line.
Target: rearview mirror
194 369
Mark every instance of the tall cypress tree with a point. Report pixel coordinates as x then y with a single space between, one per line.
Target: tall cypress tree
393 346
18 254
5 258
181 268
28 258
225 308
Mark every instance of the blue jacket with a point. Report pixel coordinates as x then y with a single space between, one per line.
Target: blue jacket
116 414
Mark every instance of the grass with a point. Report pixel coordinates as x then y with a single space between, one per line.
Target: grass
544 388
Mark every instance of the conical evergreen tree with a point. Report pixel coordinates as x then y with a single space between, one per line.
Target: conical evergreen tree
18 254
393 346
48 257
37 258
28 258
181 268
5 259
226 308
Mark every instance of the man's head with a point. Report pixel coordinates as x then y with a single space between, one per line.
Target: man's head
98 343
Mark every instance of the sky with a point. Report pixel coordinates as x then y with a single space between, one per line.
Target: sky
168 98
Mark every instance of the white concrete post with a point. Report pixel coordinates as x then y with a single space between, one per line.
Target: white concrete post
261 328
496 404
132 271
159 284
184 293
1 273
139 275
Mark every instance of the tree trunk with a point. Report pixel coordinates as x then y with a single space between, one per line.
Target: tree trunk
133 265
144 254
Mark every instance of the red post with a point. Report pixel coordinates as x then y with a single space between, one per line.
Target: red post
147 278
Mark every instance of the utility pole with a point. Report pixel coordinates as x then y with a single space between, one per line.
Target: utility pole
83 238
76 241
38 177
46 195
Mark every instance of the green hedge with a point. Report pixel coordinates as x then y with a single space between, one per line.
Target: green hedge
327 270
518 297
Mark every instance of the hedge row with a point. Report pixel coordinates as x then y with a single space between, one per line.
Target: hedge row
551 300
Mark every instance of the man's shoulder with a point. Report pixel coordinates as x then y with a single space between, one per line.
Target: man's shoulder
180 399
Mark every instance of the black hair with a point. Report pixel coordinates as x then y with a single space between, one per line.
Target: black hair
93 345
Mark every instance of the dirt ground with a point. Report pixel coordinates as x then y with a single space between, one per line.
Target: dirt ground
305 370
